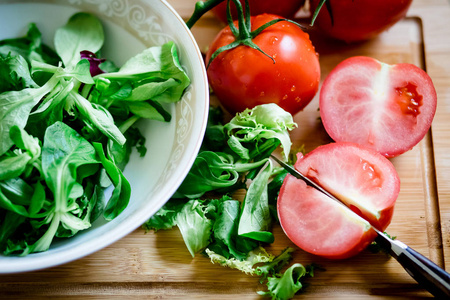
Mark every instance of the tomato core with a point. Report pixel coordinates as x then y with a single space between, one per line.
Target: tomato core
410 100
371 176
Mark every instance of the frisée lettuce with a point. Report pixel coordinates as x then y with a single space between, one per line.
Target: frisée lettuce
232 233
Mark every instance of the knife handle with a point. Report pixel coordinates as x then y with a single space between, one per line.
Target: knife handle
429 275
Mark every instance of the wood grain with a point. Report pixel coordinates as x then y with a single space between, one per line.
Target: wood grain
158 266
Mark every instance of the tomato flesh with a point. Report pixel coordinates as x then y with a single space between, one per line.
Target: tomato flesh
365 180
244 77
385 107
318 225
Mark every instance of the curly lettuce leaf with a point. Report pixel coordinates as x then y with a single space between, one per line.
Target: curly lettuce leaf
195 226
254 126
165 218
285 286
254 257
273 267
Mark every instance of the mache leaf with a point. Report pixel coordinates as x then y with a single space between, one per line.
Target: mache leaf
122 188
255 218
64 151
30 47
14 74
82 32
15 107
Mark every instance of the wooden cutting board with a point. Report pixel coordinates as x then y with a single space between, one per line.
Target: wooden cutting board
158 265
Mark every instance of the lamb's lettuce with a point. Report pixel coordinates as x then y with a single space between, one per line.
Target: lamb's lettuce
14 73
30 47
67 159
82 32
24 158
67 133
15 107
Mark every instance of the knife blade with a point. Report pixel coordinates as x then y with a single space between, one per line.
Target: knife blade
429 275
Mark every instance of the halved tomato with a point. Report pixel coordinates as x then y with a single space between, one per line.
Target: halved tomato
386 107
364 179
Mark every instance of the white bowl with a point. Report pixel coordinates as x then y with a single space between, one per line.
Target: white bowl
130 27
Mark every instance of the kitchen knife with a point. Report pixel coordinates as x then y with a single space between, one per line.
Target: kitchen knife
429 275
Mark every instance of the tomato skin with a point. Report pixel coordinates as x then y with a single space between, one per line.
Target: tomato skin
388 108
285 8
359 20
364 179
244 77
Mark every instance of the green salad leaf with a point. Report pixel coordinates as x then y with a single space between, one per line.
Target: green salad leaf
30 47
227 242
194 225
82 32
257 127
14 73
246 265
255 220
67 133
247 141
15 107
285 286
233 233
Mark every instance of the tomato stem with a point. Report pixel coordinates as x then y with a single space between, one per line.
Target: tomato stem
319 7
200 9
261 28
243 34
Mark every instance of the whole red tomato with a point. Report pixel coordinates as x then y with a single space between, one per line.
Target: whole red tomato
244 77
357 20
285 8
